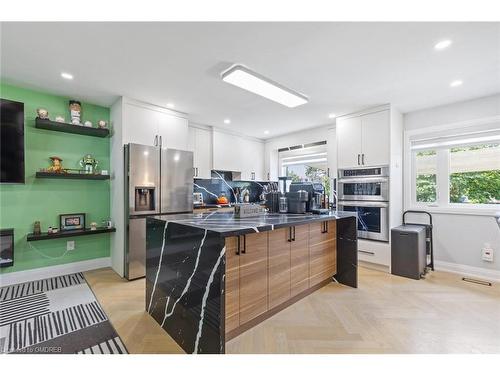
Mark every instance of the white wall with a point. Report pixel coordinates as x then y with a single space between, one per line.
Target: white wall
293 139
458 239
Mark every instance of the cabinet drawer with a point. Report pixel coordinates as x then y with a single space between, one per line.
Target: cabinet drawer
374 252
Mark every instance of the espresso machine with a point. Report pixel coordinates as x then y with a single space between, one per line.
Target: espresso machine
315 195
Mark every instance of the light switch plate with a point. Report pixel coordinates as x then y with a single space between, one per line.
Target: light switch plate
70 245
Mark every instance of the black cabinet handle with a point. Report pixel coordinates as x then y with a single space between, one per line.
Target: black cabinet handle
293 239
358 159
289 234
326 226
156 140
238 248
244 251
363 159
161 141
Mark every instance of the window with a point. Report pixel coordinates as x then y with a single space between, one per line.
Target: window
306 164
426 172
454 171
475 174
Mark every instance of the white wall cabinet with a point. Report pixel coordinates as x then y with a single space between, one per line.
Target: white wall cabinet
139 125
238 154
349 142
375 138
200 143
173 131
363 140
145 124
331 151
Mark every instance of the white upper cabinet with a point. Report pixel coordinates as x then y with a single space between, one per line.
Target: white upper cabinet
375 139
150 125
363 141
349 142
331 151
140 125
200 142
173 131
238 154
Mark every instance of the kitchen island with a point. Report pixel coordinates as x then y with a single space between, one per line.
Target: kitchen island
211 276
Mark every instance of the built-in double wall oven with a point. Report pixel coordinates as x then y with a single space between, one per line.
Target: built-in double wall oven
366 192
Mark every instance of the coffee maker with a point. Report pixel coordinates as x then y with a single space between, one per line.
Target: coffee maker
315 195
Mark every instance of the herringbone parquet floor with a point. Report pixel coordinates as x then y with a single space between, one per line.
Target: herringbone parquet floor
386 314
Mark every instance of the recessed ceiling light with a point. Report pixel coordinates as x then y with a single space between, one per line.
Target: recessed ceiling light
442 44
332 115
67 75
456 83
170 105
240 76
227 121
266 131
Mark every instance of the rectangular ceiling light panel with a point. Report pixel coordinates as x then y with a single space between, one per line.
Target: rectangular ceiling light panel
246 79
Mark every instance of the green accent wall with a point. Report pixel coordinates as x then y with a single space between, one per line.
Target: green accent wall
45 199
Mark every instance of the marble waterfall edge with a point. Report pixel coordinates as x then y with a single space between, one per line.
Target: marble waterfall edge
184 284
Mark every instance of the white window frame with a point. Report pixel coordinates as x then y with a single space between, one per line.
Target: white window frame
442 204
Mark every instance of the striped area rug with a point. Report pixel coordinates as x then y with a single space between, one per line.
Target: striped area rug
55 315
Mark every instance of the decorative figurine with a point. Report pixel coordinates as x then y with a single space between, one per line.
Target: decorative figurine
56 166
50 230
75 111
37 229
60 119
93 225
102 124
88 124
42 113
89 163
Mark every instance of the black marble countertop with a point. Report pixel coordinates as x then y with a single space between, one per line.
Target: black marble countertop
226 224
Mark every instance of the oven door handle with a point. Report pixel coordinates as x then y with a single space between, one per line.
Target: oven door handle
364 204
363 180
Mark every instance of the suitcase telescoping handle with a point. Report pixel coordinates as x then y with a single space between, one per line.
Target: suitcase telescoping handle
417 212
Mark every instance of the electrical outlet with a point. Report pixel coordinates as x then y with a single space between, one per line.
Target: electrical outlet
70 245
487 253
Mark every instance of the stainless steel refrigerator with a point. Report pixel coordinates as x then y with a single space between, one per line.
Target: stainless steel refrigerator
158 181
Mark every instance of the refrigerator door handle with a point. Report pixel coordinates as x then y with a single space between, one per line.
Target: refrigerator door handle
161 141
156 141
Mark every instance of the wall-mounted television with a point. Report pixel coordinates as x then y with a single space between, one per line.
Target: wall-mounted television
11 142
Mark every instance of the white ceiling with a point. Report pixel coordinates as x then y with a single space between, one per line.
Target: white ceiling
341 67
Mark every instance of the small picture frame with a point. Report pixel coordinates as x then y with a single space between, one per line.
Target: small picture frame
72 221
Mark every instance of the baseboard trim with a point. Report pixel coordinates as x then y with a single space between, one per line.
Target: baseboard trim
52 271
464 270
374 266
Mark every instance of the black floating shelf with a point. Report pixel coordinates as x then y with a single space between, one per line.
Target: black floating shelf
70 128
68 233
72 176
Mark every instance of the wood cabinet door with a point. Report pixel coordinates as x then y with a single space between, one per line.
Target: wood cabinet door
299 259
279 266
253 276
322 251
232 284
375 126
348 133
